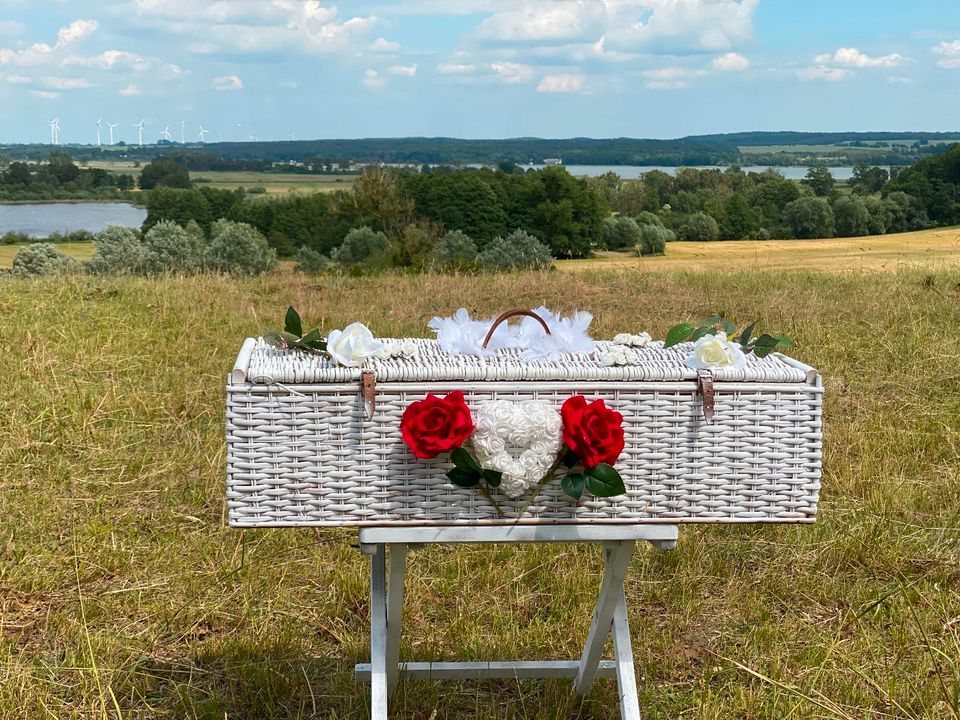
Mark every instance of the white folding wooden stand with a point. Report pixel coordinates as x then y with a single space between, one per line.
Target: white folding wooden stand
386 609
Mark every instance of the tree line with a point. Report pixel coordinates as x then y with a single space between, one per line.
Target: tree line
60 178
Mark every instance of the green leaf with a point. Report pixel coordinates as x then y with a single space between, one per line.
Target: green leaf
728 327
678 334
493 477
784 341
289 337
765 345
604 481
747 334
573 484
701 331
712 320
313 339
272 339
465 461
463 478
291 322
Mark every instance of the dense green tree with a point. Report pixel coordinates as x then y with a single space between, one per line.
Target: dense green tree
238 248
170 248
820 180
935 183
809 217
700 227
850 216
164 172
867 180
620 233
877 215
739 219
518 251
363 246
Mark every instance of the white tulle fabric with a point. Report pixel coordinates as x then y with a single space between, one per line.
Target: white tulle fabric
462 335
519 439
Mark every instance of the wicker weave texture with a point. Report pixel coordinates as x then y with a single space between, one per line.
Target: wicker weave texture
306 455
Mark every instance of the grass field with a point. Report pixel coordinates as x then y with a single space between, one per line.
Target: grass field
123 594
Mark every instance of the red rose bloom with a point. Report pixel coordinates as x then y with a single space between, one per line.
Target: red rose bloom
592 431
435 425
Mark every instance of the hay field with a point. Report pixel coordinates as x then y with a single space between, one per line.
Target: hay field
122 594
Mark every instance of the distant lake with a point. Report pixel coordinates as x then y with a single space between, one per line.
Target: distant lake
42 219
632 172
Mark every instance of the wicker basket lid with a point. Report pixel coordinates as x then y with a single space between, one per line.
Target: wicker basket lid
653 363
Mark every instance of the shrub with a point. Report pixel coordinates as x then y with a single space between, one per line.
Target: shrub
414 244
519 250
809 217
850 216
43 259
171 248
238 248
654 239
117 250
620 232
455 251
761 234
15 237
311 262
700 226
363 245
648 218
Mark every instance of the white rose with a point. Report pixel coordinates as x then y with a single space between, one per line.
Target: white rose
713 351
352 345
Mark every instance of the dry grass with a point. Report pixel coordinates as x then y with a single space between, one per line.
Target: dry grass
877 252
123 594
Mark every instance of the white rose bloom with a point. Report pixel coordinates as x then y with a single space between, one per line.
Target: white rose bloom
634 341
714 351
353 345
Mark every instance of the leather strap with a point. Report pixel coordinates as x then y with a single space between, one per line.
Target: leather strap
368 390
705 387
509 314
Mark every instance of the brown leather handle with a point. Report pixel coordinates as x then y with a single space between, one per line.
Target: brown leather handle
509 314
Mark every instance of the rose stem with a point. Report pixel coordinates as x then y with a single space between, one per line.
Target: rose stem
486 493
543 481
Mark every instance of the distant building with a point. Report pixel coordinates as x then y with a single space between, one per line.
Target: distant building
553 161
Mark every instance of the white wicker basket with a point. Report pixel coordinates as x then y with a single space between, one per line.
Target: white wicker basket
303 448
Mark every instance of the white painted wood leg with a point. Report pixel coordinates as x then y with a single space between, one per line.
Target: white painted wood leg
398 564
623 655
617 558
378 634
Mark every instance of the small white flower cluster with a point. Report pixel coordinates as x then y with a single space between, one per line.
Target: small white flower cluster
398 350
634 341
519 439
619 356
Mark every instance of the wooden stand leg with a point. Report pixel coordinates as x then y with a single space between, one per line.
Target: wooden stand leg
398 564
378 634
623 653
617 558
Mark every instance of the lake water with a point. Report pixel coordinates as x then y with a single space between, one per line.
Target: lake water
42 219
632 172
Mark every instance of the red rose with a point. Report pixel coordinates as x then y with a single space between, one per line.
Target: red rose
435 425
593 432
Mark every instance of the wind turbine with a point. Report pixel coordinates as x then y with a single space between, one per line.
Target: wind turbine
111 126
55 131
99 121
203 134
166 134
183 129
237 127
139 127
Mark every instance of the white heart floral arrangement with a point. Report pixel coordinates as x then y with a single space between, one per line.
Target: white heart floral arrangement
520 440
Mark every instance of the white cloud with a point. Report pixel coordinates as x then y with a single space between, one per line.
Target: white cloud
512 73
731 61
11 28
403 70
544 22
950 52
227 82
130 90
456 68
382 45
109 59
18 79
851 57
42 53
680 26
372 79
563 83
45 94
76 31
62 83
671 78
822 72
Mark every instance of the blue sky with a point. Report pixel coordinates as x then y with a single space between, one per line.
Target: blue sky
277 69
